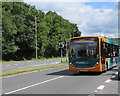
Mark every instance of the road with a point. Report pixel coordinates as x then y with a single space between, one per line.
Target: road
60 81
25 64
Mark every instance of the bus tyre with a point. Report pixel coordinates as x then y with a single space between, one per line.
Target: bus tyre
118 75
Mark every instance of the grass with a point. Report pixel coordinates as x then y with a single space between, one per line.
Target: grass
29 69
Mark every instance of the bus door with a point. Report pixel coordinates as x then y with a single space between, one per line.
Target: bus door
103 55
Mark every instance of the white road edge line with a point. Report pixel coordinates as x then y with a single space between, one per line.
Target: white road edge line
25 73
34 85
101 87
8 65
107 81
22 67
29 61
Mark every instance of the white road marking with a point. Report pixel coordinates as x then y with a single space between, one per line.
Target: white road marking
34 85
96 91
22 67
29 61
57 62
116 73
107 81
8 65
101 87
35 65
45 69
25 73
113 76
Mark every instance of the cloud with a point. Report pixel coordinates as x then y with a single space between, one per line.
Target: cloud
90 21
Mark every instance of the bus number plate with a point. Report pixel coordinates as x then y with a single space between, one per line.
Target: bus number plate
83 70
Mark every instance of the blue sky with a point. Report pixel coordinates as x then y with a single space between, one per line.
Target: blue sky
92 18
100 5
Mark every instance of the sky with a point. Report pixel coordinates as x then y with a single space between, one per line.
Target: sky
92 18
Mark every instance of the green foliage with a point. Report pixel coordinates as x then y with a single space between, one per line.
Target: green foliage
18 32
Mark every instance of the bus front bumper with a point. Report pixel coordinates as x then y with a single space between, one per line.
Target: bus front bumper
92 69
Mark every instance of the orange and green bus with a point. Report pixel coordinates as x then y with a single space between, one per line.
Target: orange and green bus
92 54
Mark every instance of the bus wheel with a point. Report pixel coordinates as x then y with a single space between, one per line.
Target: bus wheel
118 75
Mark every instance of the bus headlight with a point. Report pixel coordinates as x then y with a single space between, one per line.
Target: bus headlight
97 63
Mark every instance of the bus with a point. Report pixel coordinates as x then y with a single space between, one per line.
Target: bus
119 67
92 54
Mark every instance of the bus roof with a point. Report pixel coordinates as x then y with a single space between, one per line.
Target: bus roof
111 42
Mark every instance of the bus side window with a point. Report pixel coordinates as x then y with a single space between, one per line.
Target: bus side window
116 51
111 50
108 51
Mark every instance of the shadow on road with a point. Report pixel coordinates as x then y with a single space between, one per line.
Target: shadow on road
63 72
115 78
116 70
110 72
68 73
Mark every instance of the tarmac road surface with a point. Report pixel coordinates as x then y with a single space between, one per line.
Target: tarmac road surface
60 81
25 64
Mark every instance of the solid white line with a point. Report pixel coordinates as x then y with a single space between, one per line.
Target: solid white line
8 65
45 69
101 87
22 67
29 61
57 62
35 65
25 73
34 85
107 81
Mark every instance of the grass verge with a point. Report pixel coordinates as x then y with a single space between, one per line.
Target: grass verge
29 69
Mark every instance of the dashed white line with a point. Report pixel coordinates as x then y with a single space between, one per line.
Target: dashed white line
116 73
34 85
107 81
113 76
101 87
96 91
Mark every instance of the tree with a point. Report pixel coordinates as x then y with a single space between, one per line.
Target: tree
19 41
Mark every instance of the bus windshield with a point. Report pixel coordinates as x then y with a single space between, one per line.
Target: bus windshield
84 47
